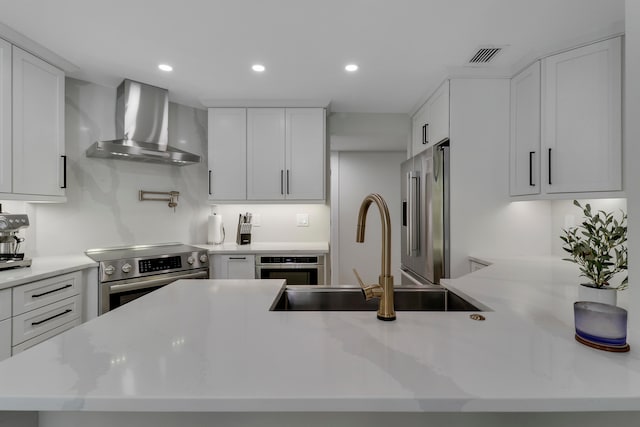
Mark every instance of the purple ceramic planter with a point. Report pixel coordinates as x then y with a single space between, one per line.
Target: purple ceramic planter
601 324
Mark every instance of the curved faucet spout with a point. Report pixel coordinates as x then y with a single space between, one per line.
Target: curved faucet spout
386 228
384 289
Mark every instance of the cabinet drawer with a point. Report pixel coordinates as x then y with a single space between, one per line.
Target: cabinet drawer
237 266
5 303
37 322
38 294
43 337
5 339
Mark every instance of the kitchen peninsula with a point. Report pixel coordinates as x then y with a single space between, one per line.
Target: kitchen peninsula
197 352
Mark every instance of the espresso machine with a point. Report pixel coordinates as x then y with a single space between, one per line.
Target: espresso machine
11 242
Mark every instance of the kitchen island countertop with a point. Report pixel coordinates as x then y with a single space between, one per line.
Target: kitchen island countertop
214 346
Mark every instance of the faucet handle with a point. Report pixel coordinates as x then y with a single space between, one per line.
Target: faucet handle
369 291
360 282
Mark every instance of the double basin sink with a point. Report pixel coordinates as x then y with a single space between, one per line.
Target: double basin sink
350 298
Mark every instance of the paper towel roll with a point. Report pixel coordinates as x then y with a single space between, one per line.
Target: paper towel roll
216 230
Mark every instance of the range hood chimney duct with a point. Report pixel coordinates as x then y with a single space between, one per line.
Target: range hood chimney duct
142 131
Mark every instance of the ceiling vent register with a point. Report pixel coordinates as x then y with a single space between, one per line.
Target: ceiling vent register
485 55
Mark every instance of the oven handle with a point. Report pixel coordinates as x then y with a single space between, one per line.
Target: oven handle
149 283
291 266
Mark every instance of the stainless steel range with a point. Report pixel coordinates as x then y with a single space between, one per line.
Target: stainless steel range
127 273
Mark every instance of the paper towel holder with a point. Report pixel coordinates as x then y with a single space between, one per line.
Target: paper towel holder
216 232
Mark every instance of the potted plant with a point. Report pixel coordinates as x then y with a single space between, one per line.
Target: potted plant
598 246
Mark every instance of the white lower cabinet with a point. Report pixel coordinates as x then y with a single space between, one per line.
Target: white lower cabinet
5 339
237 266
36 322
50 333
41 310
5 323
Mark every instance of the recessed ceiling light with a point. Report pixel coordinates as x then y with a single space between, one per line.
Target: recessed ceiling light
258 68
165 67
351 68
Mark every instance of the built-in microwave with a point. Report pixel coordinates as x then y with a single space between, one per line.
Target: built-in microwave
295 269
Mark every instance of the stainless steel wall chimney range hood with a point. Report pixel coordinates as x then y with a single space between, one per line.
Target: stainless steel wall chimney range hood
142 115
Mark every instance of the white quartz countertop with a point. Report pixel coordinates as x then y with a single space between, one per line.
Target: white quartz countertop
212 345
43 268
287 248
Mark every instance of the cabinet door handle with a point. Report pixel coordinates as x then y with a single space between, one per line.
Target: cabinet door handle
281 181
549 166
51 291
424 134
287 181
64 171
210 182
531 153
68 310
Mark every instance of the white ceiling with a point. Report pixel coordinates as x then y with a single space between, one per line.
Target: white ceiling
404 47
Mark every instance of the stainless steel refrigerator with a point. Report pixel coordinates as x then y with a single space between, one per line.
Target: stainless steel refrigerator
425 216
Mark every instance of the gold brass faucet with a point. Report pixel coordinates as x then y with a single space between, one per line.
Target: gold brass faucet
384 288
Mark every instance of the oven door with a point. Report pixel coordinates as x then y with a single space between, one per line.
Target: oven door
294 274
117 293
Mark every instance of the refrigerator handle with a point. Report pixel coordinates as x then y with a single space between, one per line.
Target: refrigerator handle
415 212
409 210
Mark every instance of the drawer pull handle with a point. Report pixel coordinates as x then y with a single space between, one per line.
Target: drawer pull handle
237 257
68 310
51 291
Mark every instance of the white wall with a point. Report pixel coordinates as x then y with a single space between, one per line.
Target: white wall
565 214
483 220
631 155
354 175
369 131
278 222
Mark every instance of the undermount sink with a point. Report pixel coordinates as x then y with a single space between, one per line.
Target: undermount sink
350 298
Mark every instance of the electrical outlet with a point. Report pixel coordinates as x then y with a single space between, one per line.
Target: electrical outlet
256 220
302 220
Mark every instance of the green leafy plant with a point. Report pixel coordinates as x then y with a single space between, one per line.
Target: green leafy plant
598 246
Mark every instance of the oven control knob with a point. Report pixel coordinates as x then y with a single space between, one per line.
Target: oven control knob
191 260
126 268
204 258
109 270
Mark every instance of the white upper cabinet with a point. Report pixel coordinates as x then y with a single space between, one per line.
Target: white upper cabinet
286 154
581 119
419 133
39 160
525 132
227 153
438 114
265 154
430 124
5 117
566 124
305 153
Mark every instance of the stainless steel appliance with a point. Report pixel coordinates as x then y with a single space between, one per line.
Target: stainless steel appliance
10 241
425 216
296 269
127 273
142 117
